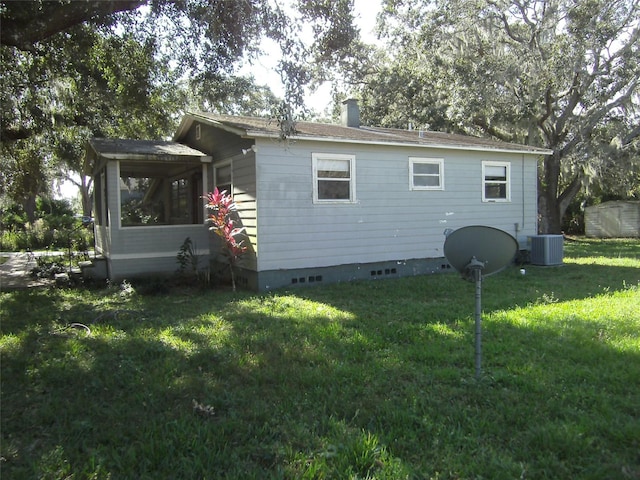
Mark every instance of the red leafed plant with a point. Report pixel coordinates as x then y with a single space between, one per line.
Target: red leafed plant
221 207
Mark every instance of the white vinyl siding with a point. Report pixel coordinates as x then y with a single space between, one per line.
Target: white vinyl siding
387 221
426 173
237 176
333 178
496 182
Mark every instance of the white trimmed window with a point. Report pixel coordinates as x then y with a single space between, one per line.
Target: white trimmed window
496 181
426 173
333 178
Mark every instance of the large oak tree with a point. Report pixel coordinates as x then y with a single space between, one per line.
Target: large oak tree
74 69
560 74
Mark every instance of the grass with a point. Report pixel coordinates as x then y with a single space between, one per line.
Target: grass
362 380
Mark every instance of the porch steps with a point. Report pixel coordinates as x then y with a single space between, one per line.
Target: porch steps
96 268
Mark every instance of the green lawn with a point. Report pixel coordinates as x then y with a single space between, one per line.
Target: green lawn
363 380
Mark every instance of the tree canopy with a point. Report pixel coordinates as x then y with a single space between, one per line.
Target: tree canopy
26 23
560 74
128 68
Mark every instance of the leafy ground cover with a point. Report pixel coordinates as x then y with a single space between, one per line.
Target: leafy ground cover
362 380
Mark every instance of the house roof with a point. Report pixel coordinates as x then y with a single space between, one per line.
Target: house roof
254 127
153 150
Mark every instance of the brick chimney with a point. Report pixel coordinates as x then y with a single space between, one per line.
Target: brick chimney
350 113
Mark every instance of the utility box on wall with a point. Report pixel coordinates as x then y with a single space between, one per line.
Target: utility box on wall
547 249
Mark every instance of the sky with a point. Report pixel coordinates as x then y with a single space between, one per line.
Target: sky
263 69
366 13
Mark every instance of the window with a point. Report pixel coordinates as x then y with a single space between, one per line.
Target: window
180 200
222 178
100 196
496 181
426 173
333 178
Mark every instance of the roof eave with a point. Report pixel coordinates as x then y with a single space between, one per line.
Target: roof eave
144 157
260 133
477 148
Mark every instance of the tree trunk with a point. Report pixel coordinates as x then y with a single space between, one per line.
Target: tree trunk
29 206
548 195
85 195
549 213
551 205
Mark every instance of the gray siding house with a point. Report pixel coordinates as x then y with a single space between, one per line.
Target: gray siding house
330 203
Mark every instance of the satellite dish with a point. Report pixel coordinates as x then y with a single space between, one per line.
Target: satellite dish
477 251
493 247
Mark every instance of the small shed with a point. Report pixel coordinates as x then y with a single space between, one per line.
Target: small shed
613 219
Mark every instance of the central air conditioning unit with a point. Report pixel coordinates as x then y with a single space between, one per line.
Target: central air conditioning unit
547 249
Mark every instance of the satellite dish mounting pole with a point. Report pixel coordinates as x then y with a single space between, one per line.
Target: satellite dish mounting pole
495 248
474 269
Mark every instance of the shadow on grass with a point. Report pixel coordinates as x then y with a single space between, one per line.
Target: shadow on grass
372 379
579 247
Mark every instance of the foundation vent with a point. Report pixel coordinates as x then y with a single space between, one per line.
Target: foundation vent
382 272
309 279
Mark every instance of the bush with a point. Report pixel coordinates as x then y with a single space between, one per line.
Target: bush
54 228
47 267
11 241
13 218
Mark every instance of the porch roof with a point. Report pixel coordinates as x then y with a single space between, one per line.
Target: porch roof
143 151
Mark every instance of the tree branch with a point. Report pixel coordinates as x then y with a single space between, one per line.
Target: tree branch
10 134
629 137
23 25
568 194
542 121
597 115
492 129
575 92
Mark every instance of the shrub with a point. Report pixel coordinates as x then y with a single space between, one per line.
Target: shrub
11 241
54 228
223 224
13 218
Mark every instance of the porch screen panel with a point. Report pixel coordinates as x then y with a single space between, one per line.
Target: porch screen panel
160 194
100 196
141 201
180 200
